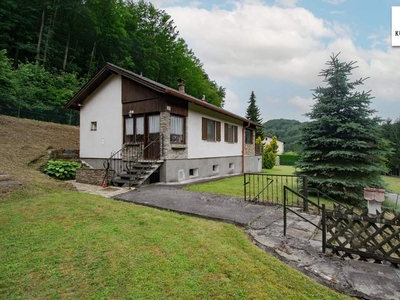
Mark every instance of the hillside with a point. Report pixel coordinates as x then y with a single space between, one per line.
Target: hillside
285 130
23 142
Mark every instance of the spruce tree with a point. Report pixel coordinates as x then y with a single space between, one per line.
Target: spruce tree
253 114
343 151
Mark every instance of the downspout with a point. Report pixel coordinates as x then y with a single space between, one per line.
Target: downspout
243 130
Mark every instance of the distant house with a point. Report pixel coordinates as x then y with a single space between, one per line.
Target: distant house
281 145
182 137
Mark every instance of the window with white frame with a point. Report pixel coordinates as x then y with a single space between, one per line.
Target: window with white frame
177 125
134 129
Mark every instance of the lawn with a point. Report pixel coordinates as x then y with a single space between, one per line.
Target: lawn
233 186
79 246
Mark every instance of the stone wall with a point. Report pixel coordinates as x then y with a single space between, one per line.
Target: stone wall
92 176
64 154
170 150
250 149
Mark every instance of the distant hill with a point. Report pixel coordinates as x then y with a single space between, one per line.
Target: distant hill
285 130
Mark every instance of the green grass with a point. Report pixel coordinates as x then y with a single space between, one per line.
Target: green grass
79 246
393 183
233 186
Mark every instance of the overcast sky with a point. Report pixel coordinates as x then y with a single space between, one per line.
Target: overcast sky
277 48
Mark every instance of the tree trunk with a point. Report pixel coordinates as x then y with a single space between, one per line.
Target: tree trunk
91 59
66 53
50 31
40 32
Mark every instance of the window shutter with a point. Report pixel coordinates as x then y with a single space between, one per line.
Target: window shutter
235 134
204 129
226 132
218 130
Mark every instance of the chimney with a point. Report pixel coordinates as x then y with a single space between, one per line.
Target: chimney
181 85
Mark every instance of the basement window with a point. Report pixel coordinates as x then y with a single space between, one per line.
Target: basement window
216 168
194 172
93 126
231 166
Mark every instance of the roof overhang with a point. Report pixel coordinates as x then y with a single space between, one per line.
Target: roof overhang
110 69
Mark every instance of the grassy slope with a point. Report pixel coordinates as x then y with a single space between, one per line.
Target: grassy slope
57 243
23 141
79 246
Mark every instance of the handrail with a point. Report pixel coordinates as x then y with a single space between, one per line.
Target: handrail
131 158
323 216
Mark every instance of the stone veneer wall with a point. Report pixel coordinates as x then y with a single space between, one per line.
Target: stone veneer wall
171 151
250 149
91 176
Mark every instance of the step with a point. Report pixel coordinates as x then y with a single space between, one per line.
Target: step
121 182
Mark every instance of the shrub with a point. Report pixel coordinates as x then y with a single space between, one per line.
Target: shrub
289 159
62 169
269 154
268 158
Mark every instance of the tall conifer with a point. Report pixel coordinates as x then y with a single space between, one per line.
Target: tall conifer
343 151
253 114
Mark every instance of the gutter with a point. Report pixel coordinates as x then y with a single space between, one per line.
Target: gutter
243 131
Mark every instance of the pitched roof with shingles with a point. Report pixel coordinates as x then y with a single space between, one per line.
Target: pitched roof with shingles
110 69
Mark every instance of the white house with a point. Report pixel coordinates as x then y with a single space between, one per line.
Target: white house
187 137
281 145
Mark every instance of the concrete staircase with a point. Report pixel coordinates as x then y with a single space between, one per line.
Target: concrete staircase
136 173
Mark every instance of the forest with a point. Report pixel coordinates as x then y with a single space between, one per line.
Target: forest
50 48
290 132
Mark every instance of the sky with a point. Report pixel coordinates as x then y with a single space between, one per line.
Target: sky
276 48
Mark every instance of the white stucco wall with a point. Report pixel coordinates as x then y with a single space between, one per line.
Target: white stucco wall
281 145
104 107
197 148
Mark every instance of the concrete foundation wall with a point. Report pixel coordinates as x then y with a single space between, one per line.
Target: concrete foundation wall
180 170
94 163
252 164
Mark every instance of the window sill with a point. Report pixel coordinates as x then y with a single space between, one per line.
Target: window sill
178 146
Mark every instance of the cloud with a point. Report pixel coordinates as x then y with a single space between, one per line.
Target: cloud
253 39
232 102
303 104
251 42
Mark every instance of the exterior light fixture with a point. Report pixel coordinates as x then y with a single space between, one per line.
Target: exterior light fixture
131 112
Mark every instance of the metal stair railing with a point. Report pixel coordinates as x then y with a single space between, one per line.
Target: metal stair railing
124 158
320 207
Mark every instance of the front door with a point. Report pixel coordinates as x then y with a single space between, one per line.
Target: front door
152 138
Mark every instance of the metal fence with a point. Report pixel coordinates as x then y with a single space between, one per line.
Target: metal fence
54 115
268 188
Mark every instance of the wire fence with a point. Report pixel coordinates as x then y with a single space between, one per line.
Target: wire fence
53 114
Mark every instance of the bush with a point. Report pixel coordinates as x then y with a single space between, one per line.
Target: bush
269 154
62 169
268 159
289 159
